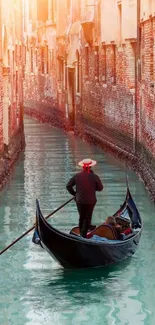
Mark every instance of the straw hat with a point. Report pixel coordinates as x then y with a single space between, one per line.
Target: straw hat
87 162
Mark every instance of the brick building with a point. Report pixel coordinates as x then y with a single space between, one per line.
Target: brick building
40 80
11 80
95 71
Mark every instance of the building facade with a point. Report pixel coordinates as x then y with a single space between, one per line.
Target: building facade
11 81
95 72
40 79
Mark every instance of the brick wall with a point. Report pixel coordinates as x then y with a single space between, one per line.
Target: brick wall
44 97
118 106
42 100
108 99
148 90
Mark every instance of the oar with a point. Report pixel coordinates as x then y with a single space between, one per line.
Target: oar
26 232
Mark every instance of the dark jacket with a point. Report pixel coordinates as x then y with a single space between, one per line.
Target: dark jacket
86 186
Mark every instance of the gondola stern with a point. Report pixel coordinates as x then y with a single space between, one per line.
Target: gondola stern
133 211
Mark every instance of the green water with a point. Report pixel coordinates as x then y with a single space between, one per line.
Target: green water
34 289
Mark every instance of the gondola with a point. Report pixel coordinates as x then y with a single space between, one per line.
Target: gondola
101 248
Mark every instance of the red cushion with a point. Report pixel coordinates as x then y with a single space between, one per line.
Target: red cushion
89 235
127 231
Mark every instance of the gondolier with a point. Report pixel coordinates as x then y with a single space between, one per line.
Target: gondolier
86 183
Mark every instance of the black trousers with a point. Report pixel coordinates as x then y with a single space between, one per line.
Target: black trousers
85 213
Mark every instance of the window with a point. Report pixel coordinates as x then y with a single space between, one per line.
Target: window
132 65
24 55
151 55
42 59
96 63
31 54
36 55
13 61
23 60
16 84
65 77
47 58
52 58
119 23
16 54
104 62
60 72
20 53
86 61
8 58
114 64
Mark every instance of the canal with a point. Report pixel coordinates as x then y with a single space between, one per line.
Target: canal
34 289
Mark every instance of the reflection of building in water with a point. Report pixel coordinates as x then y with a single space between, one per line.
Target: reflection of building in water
12 205
47 161
7 223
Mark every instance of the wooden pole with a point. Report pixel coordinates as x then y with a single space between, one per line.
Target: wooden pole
26 232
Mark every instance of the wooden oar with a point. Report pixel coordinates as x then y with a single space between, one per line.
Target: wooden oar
26 232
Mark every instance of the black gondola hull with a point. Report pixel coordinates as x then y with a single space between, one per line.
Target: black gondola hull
73 252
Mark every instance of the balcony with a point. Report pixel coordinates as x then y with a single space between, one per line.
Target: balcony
88 27
88 21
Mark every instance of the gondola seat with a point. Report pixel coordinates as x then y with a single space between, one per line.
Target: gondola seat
75 230
106 231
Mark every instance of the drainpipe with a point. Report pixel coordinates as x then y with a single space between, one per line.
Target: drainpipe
137 78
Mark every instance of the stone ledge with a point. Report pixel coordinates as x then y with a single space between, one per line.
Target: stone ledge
56 120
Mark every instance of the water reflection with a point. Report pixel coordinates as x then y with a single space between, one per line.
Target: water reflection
80 296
